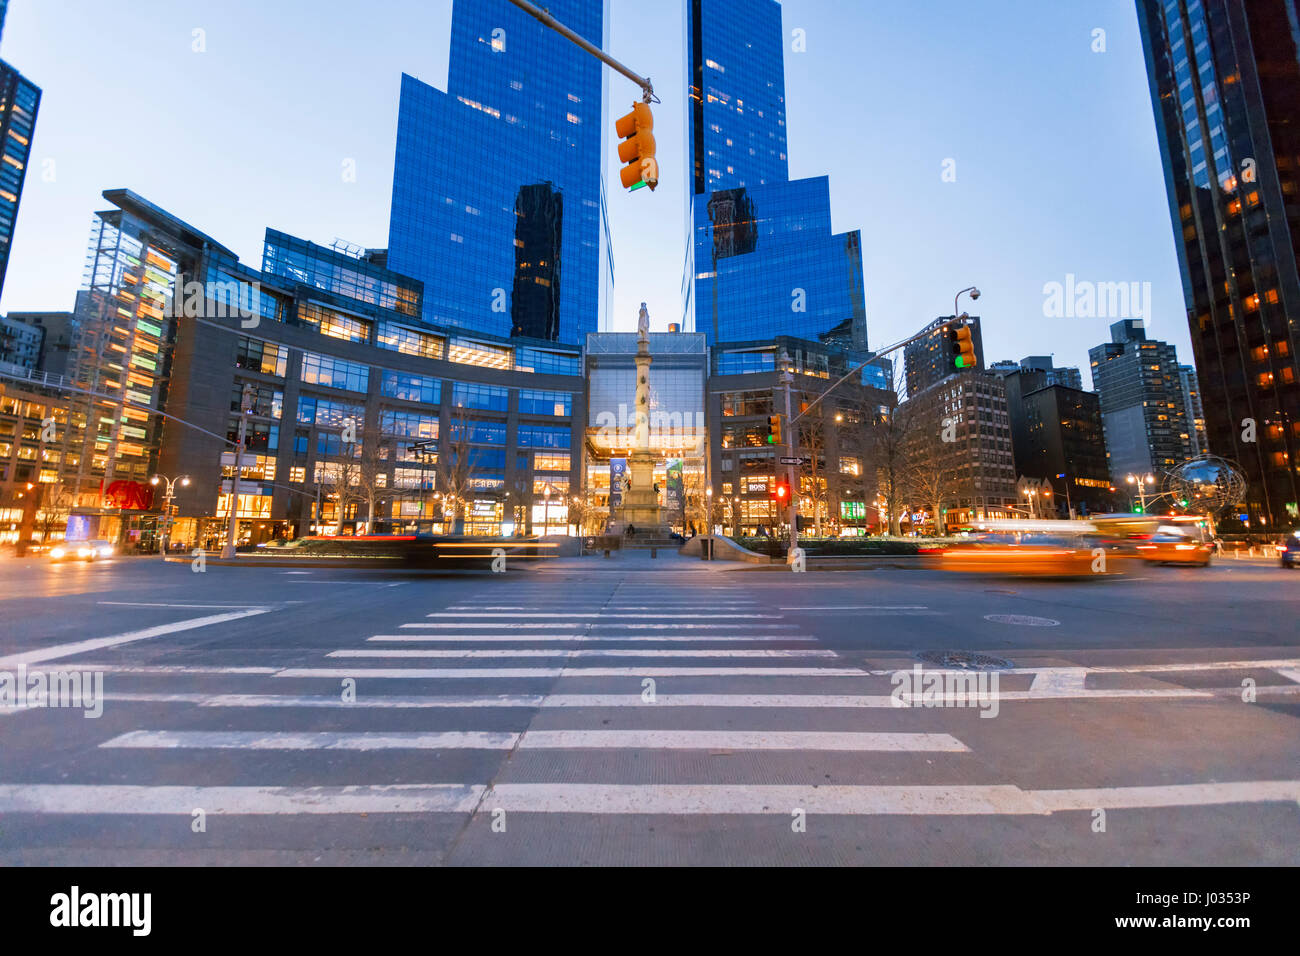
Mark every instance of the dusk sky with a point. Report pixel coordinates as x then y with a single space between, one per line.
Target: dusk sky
1054 146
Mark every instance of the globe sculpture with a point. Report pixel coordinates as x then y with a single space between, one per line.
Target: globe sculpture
1208 484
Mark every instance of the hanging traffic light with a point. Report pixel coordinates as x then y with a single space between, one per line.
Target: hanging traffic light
774 429
963 347
637 148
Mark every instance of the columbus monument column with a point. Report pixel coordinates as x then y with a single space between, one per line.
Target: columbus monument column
640 501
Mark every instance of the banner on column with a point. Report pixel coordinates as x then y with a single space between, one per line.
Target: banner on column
674 498
617 478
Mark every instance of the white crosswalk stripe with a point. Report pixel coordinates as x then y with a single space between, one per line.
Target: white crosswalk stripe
585 698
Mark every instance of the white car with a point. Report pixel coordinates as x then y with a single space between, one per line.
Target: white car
82 550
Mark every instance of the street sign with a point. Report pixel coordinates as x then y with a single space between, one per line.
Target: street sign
796 461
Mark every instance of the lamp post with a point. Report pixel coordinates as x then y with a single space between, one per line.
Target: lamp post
246 408
974 294
1069 508
1141 481
708 498
167 505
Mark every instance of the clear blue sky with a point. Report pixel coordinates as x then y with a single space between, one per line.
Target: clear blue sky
1055 149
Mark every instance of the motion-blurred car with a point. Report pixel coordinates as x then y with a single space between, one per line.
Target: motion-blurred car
1037 548
1171 545
81 550
1288 550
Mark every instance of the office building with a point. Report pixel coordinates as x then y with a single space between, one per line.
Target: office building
1225 80
959 456
358 414
836 483
498 203
679 372
1141 389
54 331
762 259
20 101
1057 437
20 343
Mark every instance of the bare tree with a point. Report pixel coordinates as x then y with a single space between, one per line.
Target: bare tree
372 473
811 439
55 506
458 464
889 424
932 476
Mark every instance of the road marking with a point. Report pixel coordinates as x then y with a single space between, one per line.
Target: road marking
1060 681
431 673
1024 620
115 799
602 638
511 626
590 614
1290 673
856 607
310 740
538 740
712 799
605 799
463 653
153 604
612 607
807 701
98 643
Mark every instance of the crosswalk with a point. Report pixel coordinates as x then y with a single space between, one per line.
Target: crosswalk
647 677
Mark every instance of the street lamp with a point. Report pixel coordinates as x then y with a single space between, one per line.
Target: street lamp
708 497
167 505
1141 482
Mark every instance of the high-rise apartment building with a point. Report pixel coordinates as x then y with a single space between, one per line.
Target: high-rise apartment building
762 260
1225 80
1142 410
1195 410
498 203
929 360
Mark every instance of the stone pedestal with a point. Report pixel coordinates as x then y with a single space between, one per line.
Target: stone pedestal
640 503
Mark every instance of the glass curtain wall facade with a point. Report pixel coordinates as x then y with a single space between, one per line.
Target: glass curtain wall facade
761 257
498 204
1225 80
20 100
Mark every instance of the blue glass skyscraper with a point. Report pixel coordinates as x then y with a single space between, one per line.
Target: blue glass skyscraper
761 259
498 203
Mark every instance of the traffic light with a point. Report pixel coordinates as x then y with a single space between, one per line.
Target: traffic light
782 491
774 429
637 148
963 347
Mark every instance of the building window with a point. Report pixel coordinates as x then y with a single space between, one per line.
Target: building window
334 372
336 325
488 397
411 388
534 402
263 357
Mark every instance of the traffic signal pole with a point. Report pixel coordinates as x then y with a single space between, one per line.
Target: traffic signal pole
543 17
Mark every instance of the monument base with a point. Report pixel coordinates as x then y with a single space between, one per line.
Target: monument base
640 508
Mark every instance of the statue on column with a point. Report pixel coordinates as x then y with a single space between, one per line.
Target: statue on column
643 323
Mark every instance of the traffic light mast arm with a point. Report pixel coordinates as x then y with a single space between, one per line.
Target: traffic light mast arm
543 17
929 329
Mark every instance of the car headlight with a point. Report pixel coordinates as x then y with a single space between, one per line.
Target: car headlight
105 552
57 553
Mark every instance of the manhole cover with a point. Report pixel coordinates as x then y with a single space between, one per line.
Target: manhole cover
1025 620
965 660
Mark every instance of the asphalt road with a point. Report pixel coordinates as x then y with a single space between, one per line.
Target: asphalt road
633 712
